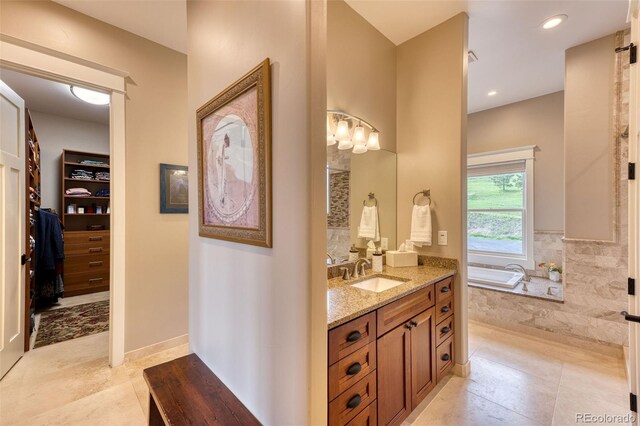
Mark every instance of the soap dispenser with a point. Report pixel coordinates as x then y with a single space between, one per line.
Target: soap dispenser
376 262
354 253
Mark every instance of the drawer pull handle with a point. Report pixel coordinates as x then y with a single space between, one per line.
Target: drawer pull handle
445 330
413 323
354 336
354 402
95 238
444 309
95 250
446 357
94 280
96 263
354 369
444 290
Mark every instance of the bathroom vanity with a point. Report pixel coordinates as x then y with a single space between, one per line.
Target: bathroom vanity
388 349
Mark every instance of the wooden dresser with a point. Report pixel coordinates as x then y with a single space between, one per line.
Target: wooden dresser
384 363
86 264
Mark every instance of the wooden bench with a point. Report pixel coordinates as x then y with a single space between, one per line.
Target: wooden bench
185 392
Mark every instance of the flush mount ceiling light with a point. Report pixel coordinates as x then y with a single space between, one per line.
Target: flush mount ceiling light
554 21
339 125
492 93
90 96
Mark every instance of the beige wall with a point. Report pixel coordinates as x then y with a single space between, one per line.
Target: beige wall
537 121
588 153
432 151
156 128
361 71
251 307
56 133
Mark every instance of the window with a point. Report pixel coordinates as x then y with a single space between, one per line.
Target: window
500 208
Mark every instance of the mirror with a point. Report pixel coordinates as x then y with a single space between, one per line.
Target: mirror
350 179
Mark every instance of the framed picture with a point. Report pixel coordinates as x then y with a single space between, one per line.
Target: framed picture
174 188
234 161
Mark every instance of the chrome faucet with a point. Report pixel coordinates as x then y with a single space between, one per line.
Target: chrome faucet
519 268
360 263
332 259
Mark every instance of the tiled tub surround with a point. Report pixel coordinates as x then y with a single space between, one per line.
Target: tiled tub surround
537 287
345 302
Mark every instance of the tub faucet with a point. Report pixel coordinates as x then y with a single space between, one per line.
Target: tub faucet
331 260
519 268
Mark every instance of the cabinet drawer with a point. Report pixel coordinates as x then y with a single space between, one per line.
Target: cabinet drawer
367 417
351 369
347 406
444 330
444 357
86 279
97 247
350 337
71 237
402 310
86 263
444 289
444 310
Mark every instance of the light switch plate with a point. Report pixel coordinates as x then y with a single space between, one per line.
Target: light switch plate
384 243
442 238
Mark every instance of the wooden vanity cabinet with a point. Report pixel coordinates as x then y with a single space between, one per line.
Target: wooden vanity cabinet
389 377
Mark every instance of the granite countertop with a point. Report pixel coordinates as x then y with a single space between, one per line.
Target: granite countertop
345 302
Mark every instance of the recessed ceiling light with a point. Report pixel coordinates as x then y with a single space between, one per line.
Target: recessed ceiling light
90 96
492 93
554 21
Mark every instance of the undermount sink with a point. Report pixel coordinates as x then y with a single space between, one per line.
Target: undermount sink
378 284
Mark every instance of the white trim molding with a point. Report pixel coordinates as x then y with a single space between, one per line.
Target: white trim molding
40 61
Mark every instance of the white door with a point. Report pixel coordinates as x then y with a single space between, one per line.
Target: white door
12 227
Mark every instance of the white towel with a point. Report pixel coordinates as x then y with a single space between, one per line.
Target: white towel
369 227
421 225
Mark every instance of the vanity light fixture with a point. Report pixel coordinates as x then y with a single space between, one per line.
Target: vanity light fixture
339 125
492 93
90 96
554 21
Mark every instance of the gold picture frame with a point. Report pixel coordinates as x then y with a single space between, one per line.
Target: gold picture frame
234 161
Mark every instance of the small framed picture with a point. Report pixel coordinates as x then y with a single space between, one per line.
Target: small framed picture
174 188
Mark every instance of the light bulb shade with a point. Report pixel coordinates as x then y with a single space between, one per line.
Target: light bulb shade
360 149
373 143
358 136
330 139
342 131
346 144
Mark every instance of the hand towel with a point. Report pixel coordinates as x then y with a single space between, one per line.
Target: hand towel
421 225
369 227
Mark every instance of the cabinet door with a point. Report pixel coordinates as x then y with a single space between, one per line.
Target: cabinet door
394 377
423 353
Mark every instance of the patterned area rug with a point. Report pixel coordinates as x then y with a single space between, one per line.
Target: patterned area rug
64 324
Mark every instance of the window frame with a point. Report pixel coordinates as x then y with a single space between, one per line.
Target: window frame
486 159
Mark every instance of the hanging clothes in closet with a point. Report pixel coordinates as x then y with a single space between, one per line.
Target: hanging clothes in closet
49 256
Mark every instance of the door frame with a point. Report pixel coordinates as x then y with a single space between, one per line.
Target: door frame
40 61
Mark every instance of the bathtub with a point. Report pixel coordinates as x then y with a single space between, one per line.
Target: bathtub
496 277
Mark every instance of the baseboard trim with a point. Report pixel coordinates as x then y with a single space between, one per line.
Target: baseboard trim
462 370
156 347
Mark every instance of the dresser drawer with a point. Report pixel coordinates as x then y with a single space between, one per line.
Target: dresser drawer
349 404
444 330
444 310
367 417
77 237
97 247
85 281
350 369
86 263
394 314
444 358
444 289
350 337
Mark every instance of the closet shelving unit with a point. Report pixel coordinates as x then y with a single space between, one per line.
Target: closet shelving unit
86 266
32 174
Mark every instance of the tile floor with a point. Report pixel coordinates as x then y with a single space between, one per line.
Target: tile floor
515 380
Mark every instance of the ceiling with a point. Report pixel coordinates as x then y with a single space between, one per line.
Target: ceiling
53 98
161 21
516 57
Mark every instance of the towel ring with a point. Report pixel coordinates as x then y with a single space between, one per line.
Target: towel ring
424 193
372 197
